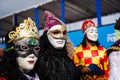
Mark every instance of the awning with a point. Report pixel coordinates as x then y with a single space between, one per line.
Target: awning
9 7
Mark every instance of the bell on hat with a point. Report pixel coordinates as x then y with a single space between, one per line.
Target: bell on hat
87 23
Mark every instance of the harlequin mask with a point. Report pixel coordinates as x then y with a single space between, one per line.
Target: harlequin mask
57 36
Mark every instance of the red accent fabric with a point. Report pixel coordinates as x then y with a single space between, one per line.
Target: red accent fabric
94 53
85 26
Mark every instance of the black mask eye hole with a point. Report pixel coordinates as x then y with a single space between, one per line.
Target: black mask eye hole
24 47
37 48
56 32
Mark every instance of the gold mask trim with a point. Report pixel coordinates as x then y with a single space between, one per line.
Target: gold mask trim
26 29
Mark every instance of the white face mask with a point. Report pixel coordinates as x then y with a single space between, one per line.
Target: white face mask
27 63
57 36
92 33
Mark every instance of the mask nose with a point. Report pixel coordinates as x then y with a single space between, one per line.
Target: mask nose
61 35
96 34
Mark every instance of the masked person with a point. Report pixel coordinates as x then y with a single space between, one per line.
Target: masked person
90 57
20 59
114 56
55 56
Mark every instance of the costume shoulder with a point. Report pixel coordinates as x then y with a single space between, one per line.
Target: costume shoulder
78 48
114 47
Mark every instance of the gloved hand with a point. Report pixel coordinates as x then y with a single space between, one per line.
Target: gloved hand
95 70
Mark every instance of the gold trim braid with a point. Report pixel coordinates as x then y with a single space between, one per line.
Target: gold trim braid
114 48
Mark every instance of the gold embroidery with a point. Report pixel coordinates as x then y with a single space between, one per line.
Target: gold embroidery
24 30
